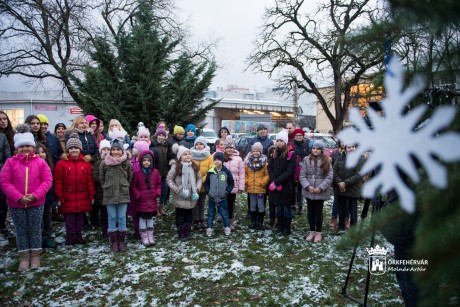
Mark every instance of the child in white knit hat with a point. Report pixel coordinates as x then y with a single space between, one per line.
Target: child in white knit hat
184 180
25 179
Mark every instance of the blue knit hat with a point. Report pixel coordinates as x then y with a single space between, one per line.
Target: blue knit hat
219 156
319 144
190 127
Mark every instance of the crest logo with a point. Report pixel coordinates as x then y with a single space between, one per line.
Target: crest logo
377 260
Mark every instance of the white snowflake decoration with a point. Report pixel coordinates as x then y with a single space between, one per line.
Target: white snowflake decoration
393 140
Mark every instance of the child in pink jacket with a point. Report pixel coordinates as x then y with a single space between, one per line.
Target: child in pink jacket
146 187
25 179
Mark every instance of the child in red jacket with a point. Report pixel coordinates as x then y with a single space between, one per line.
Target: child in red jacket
74 188
146 187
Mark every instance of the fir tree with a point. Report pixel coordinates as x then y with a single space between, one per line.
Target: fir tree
142 75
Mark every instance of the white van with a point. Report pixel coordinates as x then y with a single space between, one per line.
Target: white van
210 135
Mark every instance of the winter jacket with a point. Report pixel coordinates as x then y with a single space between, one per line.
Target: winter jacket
236 167
73 185
351 177
281 171
146 199
5 150
205 165
189 143
175 184
115 181
97 180
266 143
218 184
54 147
256 181
13 179
87 140
165 154
311 176
301 148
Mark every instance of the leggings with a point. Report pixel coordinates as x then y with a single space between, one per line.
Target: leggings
28 226
315 214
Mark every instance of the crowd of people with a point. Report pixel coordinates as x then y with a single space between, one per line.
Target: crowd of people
83 175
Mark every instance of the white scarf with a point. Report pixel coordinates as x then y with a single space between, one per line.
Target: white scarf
188 179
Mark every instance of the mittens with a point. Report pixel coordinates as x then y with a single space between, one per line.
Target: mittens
87 158
195 196
272 186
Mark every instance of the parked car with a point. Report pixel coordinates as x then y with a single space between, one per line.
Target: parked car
241 144
210 135
272 136
329 143
237 135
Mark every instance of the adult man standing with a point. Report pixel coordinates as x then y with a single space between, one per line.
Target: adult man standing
262 138
290 129
301 148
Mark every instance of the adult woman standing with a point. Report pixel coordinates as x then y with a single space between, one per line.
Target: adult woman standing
36 129
6 128
5 152
89 146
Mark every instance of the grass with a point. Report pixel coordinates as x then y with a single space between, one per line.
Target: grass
248 268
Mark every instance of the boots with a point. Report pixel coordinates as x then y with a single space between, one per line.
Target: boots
24 259
196 225
232 224
318 237
287 226
70 239
150 235
333 223
181 233
188 231
280 227
253 215
122 241
144 237
260 220
311 236
113 239
35 258
203 225
79 238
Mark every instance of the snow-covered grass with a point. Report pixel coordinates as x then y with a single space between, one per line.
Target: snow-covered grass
248 268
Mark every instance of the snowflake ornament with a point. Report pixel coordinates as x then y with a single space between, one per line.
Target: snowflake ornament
393 140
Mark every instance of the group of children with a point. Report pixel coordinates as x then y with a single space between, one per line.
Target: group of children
133 182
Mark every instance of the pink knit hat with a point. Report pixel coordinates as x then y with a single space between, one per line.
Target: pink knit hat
141 146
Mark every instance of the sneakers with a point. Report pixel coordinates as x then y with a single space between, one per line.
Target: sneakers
311 236
318 237
209 232
227 231
333 223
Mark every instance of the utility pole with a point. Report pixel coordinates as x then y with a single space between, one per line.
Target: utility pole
296 104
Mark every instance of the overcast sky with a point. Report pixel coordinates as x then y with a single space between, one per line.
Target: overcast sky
235 23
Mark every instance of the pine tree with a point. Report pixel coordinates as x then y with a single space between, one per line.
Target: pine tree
142 75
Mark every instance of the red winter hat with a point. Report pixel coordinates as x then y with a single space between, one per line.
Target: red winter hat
298 131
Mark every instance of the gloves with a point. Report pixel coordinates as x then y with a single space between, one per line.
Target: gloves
185 193
87 158
272 186
279 188
195 196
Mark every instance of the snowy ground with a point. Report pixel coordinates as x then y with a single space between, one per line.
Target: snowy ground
247 268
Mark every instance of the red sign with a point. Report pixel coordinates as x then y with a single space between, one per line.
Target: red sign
76 110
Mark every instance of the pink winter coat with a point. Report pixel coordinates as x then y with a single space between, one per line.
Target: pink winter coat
236 167
13 179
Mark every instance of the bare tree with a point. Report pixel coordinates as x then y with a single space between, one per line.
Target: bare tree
329 47
44 39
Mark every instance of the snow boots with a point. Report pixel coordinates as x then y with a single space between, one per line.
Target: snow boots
24 259
113 239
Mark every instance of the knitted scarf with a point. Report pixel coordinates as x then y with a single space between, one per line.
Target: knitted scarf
256 164
111 160
147 172
188 178
200 155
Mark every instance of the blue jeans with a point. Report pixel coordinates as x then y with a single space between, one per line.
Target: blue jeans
284 211
116 213
223 211
164 192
